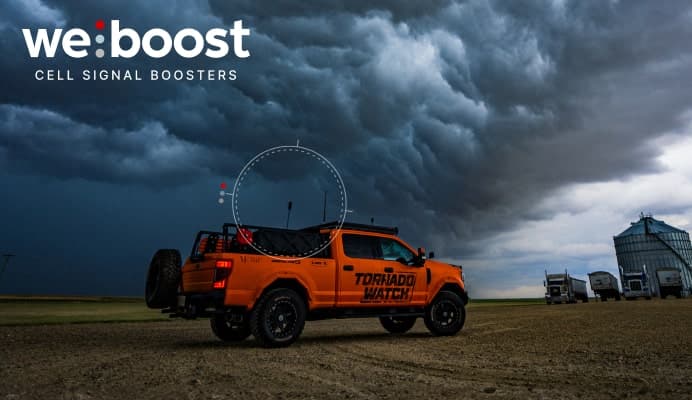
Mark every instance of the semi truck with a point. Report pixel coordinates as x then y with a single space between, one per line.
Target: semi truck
604 285
563 288
635 284
669 282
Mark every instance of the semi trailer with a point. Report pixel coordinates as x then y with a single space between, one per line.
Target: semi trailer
604 285
669 282
563 288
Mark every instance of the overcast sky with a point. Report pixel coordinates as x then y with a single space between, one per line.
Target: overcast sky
511 137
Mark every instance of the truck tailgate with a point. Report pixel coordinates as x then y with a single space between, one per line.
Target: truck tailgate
198 276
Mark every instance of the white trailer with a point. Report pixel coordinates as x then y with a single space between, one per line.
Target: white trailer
669 282
563 288
604 285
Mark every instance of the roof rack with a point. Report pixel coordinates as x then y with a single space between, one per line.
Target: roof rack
328 225
355 226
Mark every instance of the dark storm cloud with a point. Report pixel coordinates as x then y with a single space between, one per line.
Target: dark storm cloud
449 118
66 149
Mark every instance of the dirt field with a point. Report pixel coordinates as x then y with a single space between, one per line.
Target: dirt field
639 349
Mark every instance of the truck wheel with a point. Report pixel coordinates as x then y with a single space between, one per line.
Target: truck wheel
163 278
397 324
617 297
445 316
585 299
228 330
278 318
604 298
648 297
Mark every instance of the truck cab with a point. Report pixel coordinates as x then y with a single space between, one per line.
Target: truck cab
240 276
563 288
635 285
557 290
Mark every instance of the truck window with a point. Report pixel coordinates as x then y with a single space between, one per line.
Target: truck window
392 250
360 246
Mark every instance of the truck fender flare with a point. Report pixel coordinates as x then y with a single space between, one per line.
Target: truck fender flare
450 286
287 280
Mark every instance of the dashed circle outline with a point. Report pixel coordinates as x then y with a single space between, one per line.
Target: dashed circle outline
279 149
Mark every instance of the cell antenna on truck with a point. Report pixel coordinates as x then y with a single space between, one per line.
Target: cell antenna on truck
324 208
288 217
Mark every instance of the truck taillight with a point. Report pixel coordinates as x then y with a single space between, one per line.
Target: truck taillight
221 273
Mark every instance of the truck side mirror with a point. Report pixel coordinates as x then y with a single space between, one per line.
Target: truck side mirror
421 253
544 283
419 260
431 254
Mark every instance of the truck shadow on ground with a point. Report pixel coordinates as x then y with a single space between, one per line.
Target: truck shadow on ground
308 340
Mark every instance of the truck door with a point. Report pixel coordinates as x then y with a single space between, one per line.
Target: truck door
411 286
378 271
357 268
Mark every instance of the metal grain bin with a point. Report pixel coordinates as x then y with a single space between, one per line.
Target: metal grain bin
655 244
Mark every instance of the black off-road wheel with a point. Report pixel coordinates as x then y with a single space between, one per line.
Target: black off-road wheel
397 324
228 329
278 318
163 279
446 315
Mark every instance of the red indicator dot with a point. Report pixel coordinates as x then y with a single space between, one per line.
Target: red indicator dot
100 24
223 186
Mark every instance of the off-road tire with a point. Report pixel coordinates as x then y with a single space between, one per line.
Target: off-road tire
163 279
446 315
278 318
397 324
229 331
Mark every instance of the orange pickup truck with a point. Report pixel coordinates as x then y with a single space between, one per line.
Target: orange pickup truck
259 281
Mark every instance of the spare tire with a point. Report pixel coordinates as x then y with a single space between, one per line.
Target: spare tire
163 278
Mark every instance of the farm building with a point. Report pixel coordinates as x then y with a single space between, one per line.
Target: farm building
652 246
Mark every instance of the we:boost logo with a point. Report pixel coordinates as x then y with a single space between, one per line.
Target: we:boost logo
75 41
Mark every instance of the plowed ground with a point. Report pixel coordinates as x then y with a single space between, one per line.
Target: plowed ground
640 349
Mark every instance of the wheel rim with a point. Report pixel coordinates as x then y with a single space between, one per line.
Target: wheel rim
282 319
445 313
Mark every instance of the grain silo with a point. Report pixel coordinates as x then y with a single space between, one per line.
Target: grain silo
654 247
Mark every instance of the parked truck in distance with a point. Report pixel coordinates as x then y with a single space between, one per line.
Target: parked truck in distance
563 288
635 284
669 282
604 285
